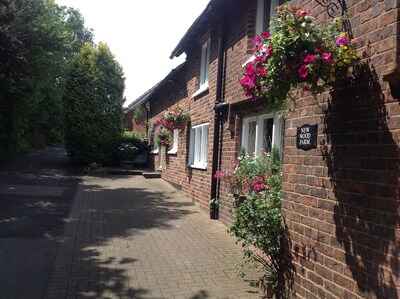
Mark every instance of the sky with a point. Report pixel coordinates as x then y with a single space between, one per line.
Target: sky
140 34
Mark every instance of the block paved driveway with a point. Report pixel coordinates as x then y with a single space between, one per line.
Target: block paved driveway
131 237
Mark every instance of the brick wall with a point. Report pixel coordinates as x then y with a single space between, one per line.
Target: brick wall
341 200
132 124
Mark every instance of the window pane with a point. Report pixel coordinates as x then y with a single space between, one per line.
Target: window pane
204 145
205 62
251 144
268 7
267 134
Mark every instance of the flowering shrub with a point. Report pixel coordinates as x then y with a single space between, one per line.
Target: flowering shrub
258 217
175 118
246 175
164 137
298 54
127 151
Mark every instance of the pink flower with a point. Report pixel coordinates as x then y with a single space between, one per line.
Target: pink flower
309 58
261 71
302 13
219 174
256 40
268 52
303 72
247 82
265 34
327 57
342 41
258 183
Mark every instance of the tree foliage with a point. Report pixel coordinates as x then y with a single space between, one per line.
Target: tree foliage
93 105
37 41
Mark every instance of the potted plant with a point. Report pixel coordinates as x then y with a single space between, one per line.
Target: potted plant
214 208
164 137
175 118
257 225
298 55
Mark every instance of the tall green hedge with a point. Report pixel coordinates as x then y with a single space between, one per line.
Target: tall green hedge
93 102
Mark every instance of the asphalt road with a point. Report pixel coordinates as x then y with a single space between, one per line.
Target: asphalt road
36 194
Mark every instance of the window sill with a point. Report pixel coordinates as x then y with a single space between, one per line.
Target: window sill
203 88
172 151
249 60
154 151
201 167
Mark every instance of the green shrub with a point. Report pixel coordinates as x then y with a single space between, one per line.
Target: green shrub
258 211
131 145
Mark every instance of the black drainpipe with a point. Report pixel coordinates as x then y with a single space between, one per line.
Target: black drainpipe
218 108
147 132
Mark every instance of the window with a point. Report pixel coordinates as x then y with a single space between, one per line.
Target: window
174 148
265 12
154 136
262 132
204 68
198 146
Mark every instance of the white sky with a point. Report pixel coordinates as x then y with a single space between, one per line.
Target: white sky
141 35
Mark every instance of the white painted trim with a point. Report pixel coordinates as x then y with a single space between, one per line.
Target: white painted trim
198 146
203 88
174 148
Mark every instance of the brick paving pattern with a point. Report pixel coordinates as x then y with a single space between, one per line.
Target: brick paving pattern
130 237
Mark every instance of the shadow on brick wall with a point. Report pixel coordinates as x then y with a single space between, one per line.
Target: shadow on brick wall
363 165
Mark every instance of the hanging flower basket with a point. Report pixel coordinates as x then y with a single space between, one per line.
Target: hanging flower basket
164 137
176 118
298 54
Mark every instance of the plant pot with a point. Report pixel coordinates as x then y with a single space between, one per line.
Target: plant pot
214 212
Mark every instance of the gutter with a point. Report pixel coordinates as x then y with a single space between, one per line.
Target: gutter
219 108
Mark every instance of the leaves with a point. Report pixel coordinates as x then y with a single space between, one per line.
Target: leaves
258 217
35 52
93 105
282 59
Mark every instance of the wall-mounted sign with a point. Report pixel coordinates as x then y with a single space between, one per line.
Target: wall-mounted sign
307 137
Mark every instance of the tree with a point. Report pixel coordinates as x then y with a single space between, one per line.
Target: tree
37 41
93 104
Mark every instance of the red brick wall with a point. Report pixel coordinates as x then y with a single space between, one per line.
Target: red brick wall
132 124
341 200
128 122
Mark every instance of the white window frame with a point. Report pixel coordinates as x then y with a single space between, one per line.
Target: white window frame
198 146
174 148
204 68
154 136
260 17
277 131
260 20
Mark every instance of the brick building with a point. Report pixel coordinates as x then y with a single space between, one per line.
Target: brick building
341 200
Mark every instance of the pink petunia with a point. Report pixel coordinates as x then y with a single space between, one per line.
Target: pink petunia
256 40
247 82
327 57
302 13
303 72
309 58
265 34
261 71
342 41
219 174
